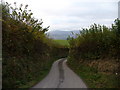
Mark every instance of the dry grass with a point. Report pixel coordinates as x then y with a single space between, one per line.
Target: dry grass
98 73
108 66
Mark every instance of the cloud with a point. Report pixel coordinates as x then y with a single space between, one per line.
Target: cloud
72 14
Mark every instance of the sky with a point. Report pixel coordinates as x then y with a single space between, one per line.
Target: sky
72 14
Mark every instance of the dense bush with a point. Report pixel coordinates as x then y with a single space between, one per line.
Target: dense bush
97 42
27 51
94 45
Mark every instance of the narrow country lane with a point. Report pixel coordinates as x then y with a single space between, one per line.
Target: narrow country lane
61 76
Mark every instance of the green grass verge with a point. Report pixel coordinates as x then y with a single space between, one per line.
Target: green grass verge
43 74
37 80
62 42
94 79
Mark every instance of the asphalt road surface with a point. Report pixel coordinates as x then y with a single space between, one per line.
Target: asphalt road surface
61 76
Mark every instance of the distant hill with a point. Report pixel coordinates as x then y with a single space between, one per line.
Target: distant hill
58 34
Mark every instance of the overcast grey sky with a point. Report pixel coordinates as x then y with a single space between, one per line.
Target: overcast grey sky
72 14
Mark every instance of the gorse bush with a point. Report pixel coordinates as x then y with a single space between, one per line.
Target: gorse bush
21 29
97 47
27 52
97 42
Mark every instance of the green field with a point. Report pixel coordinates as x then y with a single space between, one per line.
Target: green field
62 42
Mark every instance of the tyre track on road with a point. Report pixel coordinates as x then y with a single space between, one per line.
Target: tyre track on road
61 72
61 76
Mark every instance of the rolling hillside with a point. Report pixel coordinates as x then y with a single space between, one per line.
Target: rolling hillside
57 34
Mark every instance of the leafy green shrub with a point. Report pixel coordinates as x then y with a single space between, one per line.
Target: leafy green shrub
96 43
27 52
